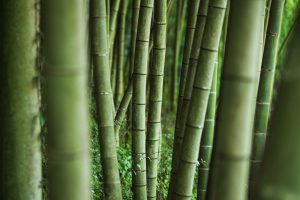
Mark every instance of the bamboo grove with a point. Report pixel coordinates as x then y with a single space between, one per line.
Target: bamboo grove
150 99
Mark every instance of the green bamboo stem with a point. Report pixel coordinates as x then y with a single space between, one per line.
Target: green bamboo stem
229 175
139 186
126 99
19 100
169 12
199 100
267 16
105 115
107 16
177 44
265 90
279 177
135 18
193 60
113 65
156 77
120 53
113 18
121 112
65 70
207 139
193 7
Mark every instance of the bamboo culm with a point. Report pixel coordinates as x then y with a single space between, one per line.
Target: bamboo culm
193 7
265 90
104 97
121 113
156 77
135 17
120 53
139 181
199 100
181 10
207 139
65 70
180 119
232 143
126 99
279 177
113 18
19 100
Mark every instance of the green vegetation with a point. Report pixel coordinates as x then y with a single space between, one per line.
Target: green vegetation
149 99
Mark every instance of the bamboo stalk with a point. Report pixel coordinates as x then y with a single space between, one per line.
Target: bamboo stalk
265 90
139 184
156 77
279 177
193 8
181 10
104 97
65 71
120 54
207 139
235 112
179 128
19 100
199 100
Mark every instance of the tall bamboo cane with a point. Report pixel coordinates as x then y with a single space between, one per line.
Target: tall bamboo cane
235 113
207 139
193 7
179 128
279 177
156 77
120 53
265 90
139 185
65 70
104 97
19 100
199 100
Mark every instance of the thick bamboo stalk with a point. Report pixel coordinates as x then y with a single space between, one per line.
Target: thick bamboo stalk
19 100
156 77
193 60
265 90
232 146
199 100
65 70
139 185
104 97
279 175
207 139
193 7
